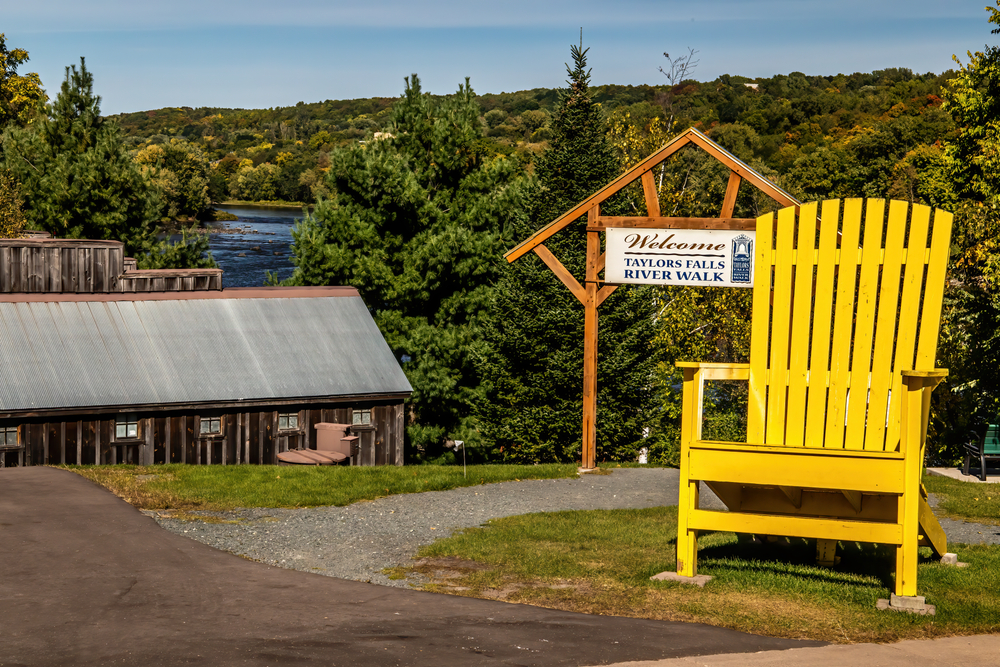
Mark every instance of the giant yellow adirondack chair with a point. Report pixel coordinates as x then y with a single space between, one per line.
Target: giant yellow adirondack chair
843 342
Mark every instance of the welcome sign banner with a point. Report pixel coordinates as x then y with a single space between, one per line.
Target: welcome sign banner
702 257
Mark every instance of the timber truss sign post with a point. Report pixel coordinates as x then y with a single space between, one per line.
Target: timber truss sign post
653 250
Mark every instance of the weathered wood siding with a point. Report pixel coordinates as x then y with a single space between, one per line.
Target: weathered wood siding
40 265
250 437
171 280
60 265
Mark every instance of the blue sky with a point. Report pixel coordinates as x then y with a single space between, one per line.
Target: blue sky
258 53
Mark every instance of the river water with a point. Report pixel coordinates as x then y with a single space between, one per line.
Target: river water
263 235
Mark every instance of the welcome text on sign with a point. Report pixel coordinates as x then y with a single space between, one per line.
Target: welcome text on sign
722 258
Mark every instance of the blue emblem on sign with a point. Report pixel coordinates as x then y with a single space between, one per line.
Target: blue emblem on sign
742 266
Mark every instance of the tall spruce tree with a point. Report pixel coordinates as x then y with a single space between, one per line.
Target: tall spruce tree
78 179
415 223
532 356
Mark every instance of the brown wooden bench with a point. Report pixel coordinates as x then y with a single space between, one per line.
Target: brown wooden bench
333 446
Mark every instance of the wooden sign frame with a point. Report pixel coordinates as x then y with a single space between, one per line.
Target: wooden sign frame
592 292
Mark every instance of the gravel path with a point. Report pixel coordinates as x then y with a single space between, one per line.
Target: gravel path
360 540
966 532
970 533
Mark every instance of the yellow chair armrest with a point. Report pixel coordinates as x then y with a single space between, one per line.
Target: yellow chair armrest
930 373
714 370
916 380
916 408
695 374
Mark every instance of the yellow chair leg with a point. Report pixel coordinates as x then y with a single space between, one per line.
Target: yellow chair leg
913 419
826 553
906 569
906 553
687 553
687 539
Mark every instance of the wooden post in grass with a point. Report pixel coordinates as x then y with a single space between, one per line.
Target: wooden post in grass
589 454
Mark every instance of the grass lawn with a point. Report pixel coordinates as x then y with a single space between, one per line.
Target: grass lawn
601 561
969 501
187 487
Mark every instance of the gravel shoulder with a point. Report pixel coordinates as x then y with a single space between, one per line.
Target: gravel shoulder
966 532
358 541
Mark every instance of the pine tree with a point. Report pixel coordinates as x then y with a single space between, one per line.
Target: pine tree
415 224
78 179
532 357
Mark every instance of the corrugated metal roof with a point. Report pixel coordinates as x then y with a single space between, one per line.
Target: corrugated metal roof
72 353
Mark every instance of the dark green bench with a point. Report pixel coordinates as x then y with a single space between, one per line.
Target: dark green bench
987 448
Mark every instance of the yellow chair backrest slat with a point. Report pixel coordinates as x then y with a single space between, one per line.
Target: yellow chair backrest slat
781 312
908 318
798 358
836 317
822 318
842 330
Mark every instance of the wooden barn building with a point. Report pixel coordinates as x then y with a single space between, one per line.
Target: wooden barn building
107 365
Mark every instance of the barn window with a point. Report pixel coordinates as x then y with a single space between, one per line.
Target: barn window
288 421
8 437
211 425
362 417
126 427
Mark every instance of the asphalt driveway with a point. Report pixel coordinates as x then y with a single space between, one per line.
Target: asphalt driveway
89 580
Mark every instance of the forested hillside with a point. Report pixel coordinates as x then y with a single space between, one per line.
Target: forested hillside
816 129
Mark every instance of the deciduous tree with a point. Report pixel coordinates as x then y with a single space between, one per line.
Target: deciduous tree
973 98
180 171
20 94
966 181
11 203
